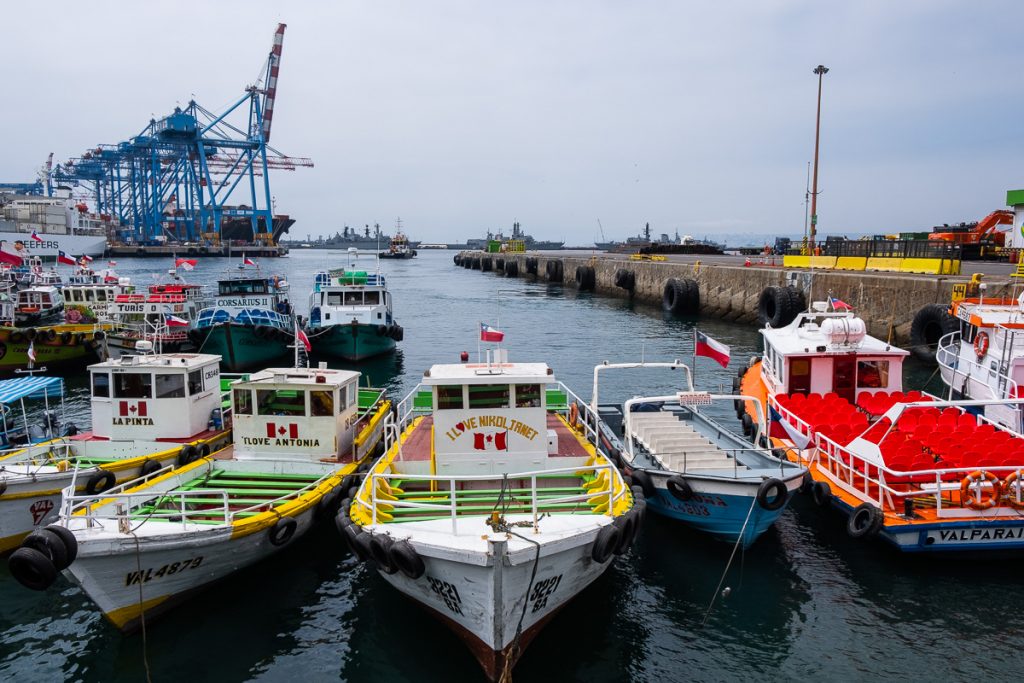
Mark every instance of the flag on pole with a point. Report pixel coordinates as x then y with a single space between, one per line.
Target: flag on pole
709 348
175 321
65 259
839 304
7 257
246 261
799 440
111 263
490 334
86 258
301 337
186 263
36 237
31 351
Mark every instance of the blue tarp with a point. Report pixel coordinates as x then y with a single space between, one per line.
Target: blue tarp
13 390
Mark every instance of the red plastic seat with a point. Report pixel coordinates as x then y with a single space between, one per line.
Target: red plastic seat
914 396
967 422
984 430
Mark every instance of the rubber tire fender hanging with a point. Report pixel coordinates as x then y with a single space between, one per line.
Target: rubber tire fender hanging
100 482
406 559
585 278
380 547
282 531
931 323
70 542
49 544
627 525
865 521
149 466
679 488
32 569
821 493
605 544
772 494
643 480
775 307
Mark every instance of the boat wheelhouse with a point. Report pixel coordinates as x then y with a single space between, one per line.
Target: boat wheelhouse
94 301
492 486
38 305
250 322
298 436
148 412
350 314
399 247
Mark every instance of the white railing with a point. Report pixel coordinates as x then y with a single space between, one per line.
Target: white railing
450 507
997 384
46 454
786 414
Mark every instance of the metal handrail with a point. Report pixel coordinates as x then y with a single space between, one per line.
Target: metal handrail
947 355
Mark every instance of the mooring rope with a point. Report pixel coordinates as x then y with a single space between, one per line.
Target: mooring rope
739 541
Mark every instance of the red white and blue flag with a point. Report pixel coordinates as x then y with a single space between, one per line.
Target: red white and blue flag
246 261
709 348
9 258
301 337
175 321
839 304
65 259
490 334
36 237
186 263
86 258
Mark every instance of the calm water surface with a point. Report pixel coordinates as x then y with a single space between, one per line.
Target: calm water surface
806 602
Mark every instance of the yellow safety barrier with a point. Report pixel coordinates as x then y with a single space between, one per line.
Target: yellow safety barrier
851 262
932 266
1020 270
883 263
796 261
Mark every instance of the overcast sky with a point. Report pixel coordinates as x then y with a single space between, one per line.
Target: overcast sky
460 116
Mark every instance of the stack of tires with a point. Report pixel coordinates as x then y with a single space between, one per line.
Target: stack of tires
930 324
625 279
555 270
779 306
586 278
43 554
681 296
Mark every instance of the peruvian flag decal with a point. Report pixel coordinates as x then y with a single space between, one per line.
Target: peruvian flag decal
279 430
498 441
132 409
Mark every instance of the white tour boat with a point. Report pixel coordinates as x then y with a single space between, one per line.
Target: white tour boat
38 305
492 507
162 316
298 435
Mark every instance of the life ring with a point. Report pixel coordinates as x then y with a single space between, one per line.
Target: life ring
574 416
605 544
865 521
679 488
100 482
406 559
772 494
981 345
980 502
32 569
380 545
282 531
49 544
1009 484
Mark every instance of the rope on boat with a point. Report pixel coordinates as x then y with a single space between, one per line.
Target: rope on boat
142 612
739 541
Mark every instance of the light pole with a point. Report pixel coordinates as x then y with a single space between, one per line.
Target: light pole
821 70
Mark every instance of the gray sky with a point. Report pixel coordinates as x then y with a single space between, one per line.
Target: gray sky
459 116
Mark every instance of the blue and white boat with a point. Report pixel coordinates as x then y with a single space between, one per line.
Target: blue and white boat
694 470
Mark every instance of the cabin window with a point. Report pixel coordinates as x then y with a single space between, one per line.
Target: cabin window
133 385
321 403
353 391
89 295
872 374
170 386
195 382
334 298
488 396
527 396
353 298
101 384
281 402
449 397
243 402
800 376
371 298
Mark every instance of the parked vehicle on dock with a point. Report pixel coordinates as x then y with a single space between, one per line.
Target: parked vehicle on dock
693 469
143 547
493 505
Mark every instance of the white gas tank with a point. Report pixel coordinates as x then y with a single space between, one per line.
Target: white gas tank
844 331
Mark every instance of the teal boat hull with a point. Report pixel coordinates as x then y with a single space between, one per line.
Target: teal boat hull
243 347
350 341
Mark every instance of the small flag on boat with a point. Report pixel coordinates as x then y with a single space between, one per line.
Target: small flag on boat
8 257
86 258
36 237
31 352
799 440
301 336
497 441
709 348
65 259
186 263
111 263
839 304
246 261
490 334
175 321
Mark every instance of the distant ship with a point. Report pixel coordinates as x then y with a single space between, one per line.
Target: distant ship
644 239
349 238
517 234
33 225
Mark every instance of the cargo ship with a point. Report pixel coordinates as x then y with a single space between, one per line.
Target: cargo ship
32 225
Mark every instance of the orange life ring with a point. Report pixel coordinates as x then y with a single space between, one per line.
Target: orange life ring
1008 486
574 416
981 502
981 344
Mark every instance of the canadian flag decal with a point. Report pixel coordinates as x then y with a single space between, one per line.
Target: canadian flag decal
497 441
279 430
129 409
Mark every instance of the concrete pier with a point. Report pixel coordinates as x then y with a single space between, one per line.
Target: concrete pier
225 250
886 301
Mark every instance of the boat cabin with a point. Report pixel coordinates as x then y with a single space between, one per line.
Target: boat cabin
343 296
491 418
156 396
97 299
249 300
824 352
39 300
296 413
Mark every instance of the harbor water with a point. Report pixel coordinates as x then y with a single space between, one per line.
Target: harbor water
805 601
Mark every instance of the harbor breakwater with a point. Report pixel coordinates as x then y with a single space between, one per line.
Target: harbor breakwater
887 302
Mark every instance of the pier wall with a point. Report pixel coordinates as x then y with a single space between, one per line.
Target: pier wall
886 301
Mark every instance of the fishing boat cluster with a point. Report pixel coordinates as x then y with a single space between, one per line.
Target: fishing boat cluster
491 494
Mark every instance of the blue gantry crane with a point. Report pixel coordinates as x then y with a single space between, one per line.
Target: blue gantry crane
193 174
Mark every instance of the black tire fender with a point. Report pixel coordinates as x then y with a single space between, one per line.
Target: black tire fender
70 542
17 337
149 466
100 482
930 324
748 424
643 480
65 338
772 494
627 532
202 450
407 560
282 531
865 521
380 546
31 334
49 544
821 493
679 488
99 335
605 544
187 455
32 569
51 334
352 535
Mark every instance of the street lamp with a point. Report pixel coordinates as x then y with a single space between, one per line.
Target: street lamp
821 70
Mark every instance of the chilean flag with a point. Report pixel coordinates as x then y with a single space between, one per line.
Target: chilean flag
65 259
36 237
86 258
175 321
186 263
246 261
490 334
484 442
709 348
274 430
8 257
301 337
839 304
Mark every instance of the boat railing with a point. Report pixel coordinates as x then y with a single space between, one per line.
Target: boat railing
998 384
124 507
588 416
380 484
44 454
786 414
899 490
